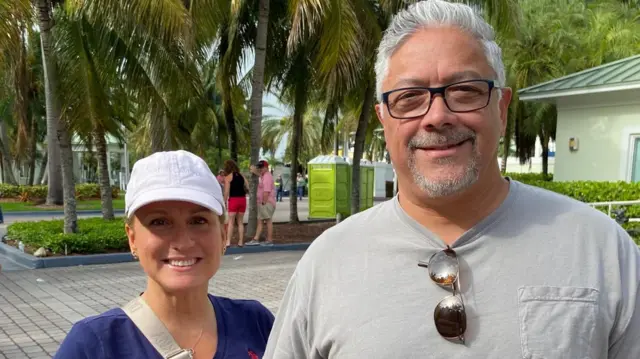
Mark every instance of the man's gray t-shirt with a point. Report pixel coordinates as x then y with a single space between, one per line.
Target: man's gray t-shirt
544 276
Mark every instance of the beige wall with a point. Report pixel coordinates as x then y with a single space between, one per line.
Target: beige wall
604 126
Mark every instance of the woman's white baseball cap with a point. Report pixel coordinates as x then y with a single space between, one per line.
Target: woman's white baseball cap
172 176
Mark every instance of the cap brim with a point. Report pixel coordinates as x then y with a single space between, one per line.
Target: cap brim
203 199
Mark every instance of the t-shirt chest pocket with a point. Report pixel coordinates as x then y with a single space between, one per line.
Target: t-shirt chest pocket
557 322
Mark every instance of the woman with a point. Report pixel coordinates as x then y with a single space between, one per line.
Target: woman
235 194
173 209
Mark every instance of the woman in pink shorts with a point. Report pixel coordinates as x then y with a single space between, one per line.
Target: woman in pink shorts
236 187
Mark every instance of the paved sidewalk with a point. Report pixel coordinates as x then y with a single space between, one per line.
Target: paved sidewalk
38 307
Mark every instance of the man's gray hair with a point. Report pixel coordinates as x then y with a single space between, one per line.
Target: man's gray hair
435 13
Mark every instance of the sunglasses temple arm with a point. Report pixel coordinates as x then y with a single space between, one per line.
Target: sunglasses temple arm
457 284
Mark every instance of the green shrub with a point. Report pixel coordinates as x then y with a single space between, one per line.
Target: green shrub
31 193
530 177
95 235
593 191
10 191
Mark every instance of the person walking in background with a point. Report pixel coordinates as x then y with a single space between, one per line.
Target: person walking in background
300 184
266 202
279 188
236 187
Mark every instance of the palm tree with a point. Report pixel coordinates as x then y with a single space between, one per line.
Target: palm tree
55 130
276 130
296 82
95 98
257 88
556 43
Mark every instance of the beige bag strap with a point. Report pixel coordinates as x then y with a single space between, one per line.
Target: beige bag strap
155 331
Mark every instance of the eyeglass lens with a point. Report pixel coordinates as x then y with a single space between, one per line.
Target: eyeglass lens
461 97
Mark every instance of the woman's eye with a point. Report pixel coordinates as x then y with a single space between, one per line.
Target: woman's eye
158 222
199 220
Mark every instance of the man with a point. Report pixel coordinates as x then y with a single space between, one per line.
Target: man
266 202
528 274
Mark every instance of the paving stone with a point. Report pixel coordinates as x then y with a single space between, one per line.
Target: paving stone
35 316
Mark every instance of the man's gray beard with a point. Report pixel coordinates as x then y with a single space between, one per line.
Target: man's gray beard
450 185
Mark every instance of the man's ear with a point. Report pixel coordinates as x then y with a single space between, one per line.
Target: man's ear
504 103
380 113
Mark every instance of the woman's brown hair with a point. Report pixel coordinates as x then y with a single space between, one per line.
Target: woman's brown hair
230 167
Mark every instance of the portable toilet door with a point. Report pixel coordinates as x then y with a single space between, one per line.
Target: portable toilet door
366 185
327 187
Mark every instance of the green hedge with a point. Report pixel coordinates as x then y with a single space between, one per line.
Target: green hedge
99 236
590 192
95 235
31 193
530 177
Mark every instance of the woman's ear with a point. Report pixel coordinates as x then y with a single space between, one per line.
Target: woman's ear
128 227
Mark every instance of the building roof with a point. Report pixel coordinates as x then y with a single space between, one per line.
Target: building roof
618 75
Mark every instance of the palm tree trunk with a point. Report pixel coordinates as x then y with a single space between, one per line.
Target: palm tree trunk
7 158
157 129
68 182
358 147
296 144
336 138
230 121
544 141
55 193
33 150
508 135
103 168
43 167
257 88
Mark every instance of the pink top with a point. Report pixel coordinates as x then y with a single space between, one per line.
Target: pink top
266 185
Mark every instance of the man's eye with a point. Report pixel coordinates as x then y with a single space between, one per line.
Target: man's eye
409 95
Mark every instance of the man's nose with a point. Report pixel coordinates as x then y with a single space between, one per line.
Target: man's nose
438 115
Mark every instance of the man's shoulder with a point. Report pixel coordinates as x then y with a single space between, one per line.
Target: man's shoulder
355 228
536 202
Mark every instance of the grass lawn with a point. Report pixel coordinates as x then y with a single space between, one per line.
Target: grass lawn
118 204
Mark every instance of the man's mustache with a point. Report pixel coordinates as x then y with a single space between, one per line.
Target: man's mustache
441 138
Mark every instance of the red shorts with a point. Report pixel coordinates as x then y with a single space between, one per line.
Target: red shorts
237 205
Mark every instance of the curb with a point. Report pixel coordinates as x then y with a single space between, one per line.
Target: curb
263 249
32 262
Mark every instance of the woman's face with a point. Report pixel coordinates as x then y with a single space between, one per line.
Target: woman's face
179 244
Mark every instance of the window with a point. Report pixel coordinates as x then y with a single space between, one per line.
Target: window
635 163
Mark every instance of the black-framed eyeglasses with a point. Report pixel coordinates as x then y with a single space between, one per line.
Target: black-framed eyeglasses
463 96
449 315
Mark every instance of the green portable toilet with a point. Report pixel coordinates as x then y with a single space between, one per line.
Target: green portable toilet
366 184
328 187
